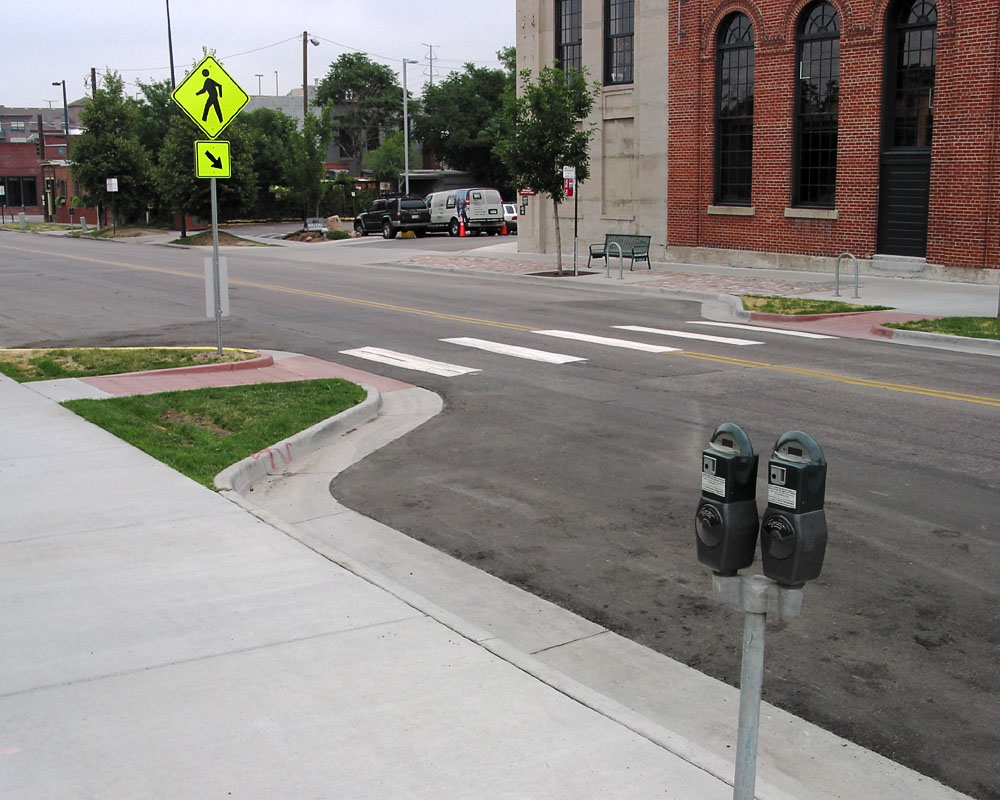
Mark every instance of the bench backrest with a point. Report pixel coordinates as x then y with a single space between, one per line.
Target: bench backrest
629 242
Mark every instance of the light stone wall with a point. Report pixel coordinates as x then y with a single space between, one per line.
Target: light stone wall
627 190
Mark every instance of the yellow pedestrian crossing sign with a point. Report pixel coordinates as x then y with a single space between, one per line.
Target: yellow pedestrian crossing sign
210 97
211 159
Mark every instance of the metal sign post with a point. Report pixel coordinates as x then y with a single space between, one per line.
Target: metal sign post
113 190
211 99
569 190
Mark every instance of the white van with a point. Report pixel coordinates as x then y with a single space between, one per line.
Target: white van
479 209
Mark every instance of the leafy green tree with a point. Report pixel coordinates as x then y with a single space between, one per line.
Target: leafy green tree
271 139
156 114
460 122
543 131
361 98
306 168
386 161
178 186
111 147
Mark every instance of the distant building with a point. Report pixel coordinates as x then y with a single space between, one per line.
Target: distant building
21 172
785 132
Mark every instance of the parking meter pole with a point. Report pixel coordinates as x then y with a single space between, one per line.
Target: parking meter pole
576 231
216 283
751 680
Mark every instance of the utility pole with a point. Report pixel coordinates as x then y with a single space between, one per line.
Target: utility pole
259 76
305 80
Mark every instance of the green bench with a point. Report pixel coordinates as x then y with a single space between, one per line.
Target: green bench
634 246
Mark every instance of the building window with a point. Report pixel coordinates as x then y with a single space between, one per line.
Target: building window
21 191
17 125
817 104
569 34
912 59
618 28
734 111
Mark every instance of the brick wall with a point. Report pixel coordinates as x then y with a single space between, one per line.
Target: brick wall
963 224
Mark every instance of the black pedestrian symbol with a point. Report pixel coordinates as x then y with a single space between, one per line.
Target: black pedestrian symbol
214 91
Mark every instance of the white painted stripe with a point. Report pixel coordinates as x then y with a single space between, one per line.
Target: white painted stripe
704 337
409 362
605 340
782 331
513 350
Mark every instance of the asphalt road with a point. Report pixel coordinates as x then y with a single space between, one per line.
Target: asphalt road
579 481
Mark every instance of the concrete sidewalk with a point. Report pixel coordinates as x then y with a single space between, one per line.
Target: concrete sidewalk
164 640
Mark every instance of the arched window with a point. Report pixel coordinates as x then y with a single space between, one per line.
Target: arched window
734 111
912 57
817 104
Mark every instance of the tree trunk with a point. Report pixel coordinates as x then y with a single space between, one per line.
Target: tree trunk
555 214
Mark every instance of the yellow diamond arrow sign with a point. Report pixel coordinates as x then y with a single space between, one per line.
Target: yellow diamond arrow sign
211 159
210 97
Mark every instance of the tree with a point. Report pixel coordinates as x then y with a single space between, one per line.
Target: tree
111 147
178 186
271 139
361 98
543 131
386 161
306 168
460 122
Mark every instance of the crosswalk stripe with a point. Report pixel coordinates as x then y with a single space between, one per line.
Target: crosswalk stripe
704 337
782 331
409 362
513 350
606 340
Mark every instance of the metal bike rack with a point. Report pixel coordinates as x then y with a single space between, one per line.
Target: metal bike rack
836 273
621 262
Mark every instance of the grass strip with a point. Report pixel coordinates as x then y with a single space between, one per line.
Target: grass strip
973 327
204 239
200 432
796 306
83 362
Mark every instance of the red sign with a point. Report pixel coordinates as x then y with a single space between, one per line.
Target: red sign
527 191
568 186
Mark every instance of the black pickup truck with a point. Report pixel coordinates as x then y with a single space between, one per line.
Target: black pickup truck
392 215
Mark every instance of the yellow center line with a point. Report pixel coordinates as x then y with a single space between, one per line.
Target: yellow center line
849 380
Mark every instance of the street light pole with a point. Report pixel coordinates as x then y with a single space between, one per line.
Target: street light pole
173 85
406 128
258 76
65 112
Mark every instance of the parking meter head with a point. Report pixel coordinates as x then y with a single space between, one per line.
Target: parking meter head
726 519
793 530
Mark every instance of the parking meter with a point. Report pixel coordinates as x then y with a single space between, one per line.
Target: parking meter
793 531
726 520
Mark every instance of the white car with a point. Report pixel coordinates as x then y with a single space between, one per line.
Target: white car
510 217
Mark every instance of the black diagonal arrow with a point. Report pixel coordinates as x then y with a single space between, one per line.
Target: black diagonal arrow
216 162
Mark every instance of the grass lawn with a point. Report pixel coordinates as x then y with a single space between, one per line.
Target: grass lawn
202 431
974 327
34 226
81 362
799 305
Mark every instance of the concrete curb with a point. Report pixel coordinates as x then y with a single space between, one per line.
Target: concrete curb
278 458
940 341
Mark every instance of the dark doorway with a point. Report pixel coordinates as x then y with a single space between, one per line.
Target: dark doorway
908 128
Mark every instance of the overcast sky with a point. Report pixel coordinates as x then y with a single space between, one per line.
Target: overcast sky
46 42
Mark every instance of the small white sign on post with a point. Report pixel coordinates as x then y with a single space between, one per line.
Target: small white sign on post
112 184
210 304
569 173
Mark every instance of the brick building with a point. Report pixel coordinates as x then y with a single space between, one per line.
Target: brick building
801 129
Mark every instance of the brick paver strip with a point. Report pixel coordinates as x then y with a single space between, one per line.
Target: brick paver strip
727 284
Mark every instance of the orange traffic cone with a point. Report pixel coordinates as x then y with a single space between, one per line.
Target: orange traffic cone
503 228
461 226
